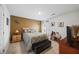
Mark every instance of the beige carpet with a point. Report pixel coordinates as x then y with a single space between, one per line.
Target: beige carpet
16 48
54 48
20 48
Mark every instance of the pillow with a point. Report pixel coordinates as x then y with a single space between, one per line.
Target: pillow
29 30
25 30
33 30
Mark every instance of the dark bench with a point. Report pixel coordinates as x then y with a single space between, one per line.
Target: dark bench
41 46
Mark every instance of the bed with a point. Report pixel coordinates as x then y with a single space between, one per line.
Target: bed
30 37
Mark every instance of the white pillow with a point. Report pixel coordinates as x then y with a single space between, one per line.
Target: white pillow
25 29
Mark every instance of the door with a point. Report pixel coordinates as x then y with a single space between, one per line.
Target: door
1 28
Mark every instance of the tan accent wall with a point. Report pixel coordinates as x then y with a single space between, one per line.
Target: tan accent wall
20 22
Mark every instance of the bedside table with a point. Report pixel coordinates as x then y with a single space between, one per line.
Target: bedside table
16 38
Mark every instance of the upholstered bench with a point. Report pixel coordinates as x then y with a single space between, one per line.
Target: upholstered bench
41 46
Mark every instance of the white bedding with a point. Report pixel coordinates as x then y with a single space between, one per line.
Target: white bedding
30 38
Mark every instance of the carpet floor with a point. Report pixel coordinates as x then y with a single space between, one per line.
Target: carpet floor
20 48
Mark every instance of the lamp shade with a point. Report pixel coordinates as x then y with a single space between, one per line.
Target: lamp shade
17 32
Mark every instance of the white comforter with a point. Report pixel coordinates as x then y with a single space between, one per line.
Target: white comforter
30 38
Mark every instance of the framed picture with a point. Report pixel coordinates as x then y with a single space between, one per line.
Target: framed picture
52 23
61 24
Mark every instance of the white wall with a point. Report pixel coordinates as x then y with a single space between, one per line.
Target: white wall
6 30
69 19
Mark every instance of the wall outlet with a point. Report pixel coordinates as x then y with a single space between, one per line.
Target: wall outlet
3 50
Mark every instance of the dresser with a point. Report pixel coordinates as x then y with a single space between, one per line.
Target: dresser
16 38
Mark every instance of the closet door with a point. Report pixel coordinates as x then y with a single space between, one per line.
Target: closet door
1 28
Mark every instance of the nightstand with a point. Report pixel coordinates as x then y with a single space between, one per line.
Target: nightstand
16 38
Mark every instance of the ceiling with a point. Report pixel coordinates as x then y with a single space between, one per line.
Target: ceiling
40 11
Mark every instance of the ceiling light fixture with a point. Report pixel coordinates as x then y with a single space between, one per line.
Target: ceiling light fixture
39 13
